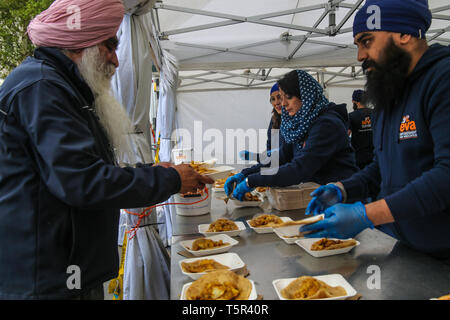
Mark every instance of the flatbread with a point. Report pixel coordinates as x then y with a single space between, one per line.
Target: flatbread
220 285
299 222
309 288
207 244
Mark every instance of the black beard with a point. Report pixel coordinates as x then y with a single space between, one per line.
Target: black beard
387 79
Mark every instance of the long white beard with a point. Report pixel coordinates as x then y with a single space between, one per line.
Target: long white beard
113 117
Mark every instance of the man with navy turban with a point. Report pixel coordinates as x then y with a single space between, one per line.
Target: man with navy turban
408 82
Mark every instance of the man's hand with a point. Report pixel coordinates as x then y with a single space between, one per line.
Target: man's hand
341 221
191 180
323 198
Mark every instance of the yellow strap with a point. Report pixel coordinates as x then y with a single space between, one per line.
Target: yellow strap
157 149
116 285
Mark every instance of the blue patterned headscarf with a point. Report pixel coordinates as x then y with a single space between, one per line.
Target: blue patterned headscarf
294 129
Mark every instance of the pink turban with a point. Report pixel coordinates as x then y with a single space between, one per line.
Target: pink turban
76 24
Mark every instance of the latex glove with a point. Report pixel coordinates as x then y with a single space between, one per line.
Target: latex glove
341 221
247 155
241 190
228 186
324 197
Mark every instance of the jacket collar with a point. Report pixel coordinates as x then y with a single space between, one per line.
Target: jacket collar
67 68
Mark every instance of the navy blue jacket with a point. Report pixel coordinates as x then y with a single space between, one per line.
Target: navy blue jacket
60 191
411 169
327 155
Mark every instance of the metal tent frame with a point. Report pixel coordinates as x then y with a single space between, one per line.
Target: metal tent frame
205 66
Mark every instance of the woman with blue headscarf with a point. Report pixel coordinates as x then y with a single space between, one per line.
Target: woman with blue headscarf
317 147
263 158
275 122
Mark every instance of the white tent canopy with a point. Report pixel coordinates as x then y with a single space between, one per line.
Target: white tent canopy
244 47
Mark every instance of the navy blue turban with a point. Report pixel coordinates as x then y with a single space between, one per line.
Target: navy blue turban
403 16
274 88
357 95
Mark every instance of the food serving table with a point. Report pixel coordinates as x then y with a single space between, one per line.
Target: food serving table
379 268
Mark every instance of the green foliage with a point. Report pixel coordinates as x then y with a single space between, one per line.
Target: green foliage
15 15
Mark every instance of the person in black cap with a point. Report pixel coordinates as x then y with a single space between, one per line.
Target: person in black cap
408 83
360 128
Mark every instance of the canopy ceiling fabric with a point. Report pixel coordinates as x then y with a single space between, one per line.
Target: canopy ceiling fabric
232 42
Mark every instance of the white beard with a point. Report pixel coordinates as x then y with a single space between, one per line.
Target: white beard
113 117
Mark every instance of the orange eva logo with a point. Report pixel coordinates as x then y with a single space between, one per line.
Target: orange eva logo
408 128
366 121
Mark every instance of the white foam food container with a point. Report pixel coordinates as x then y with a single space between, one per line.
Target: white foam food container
287 233
187 245
239 203
306 244
182 155
229 259
202 228
220 172
267 229
253 294
330 279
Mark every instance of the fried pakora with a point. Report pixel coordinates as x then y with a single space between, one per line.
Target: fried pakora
265 220
202 265
328 244
220 285
250 197
307 288
222 225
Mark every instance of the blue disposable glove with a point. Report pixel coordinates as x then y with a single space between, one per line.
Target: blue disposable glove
323 198
342 221
247 155
228 186
241 190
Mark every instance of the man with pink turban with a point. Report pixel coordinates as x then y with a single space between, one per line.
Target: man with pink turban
60 186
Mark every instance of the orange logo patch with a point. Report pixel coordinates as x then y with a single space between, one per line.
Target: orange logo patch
408 128
366 123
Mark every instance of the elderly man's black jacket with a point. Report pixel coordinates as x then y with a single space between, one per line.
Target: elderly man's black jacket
60 192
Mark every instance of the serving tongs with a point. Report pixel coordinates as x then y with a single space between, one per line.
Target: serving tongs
226 198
